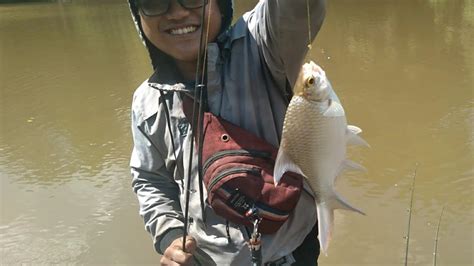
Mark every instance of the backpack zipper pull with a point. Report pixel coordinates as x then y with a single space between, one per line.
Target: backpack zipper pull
255 243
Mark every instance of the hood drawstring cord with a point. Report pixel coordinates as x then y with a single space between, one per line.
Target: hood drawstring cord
162 100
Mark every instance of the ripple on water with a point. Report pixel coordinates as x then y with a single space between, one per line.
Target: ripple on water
43 245
59 224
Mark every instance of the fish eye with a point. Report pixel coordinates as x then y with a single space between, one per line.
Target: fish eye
310 81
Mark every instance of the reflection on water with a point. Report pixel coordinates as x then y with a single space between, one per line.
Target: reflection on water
405 75
67 73
403 70
75 215
62 92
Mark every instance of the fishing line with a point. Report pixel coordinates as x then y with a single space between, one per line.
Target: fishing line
309 25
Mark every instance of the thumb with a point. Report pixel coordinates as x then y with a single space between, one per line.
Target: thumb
190 244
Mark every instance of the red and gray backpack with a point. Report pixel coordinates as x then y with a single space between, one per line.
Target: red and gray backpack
237 171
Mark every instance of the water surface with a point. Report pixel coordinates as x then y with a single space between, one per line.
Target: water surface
403 69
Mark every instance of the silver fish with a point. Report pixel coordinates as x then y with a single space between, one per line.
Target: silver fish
314 139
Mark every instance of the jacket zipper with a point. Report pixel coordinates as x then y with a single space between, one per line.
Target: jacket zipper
221 154
236 170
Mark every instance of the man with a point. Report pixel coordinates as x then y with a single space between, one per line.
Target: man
251 68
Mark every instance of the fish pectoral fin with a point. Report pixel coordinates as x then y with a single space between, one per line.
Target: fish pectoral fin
354 129
353 138
341 203
284 164
335 109
352 166
356 141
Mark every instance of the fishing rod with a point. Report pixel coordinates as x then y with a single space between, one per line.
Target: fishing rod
203 102
435 252
409 215
196 123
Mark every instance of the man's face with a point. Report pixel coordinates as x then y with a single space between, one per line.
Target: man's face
177 32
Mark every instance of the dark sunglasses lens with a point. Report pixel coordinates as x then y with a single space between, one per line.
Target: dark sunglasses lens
192 3
153 7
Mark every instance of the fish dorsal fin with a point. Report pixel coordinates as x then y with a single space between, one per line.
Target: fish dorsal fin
335 109
284 164
353 138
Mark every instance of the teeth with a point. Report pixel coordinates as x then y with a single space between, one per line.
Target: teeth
184 30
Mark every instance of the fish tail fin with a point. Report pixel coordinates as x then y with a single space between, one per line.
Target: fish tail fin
325 224
325 212
353 138
283 164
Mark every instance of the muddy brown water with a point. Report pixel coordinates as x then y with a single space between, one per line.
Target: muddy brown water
404 71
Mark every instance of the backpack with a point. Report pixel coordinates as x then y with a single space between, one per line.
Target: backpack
237 172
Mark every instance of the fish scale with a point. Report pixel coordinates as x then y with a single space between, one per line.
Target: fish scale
314 138
327 141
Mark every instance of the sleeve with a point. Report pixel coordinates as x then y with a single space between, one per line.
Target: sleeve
156 190
280 28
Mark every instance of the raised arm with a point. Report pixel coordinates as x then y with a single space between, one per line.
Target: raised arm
280 28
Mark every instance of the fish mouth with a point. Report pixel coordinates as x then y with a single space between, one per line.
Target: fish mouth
314 97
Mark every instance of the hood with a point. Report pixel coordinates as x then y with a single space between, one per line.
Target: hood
157 56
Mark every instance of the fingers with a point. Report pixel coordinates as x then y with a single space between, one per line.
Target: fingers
174 254
178 259
167 262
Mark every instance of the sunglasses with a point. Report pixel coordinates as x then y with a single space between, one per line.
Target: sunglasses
151 8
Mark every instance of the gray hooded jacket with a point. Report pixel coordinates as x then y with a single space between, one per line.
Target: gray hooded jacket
251 68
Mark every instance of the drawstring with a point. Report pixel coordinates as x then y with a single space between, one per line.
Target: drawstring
162 100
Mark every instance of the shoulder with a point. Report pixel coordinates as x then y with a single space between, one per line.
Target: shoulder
242 26
145 102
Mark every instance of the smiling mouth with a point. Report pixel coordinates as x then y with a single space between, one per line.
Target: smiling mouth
183 30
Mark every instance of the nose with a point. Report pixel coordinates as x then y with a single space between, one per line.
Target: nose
176 11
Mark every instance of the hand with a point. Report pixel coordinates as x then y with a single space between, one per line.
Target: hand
174 254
